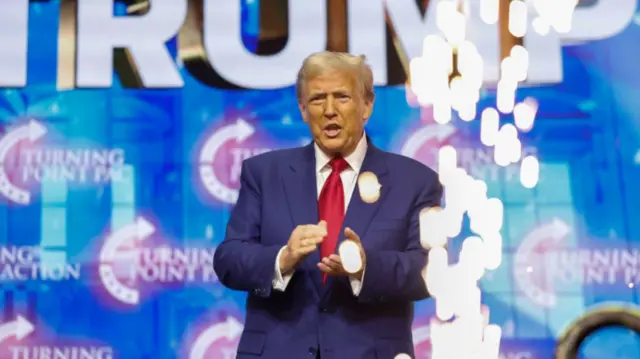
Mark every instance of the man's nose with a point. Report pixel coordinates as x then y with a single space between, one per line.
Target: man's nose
329 109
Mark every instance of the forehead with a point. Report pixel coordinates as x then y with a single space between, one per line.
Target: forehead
332 81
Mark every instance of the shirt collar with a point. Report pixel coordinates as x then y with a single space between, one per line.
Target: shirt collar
355 159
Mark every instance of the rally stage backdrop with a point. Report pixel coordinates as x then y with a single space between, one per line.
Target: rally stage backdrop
114 198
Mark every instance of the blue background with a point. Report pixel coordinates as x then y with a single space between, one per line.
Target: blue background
586 135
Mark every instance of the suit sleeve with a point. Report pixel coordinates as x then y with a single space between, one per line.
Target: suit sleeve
241 262
394 275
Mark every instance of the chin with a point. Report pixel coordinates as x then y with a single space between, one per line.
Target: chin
334 145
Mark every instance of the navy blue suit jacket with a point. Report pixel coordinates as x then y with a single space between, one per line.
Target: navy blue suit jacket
278 192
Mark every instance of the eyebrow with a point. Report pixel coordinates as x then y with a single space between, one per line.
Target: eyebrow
324 93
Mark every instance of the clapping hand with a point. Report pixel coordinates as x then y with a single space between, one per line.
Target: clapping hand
333 264
303 240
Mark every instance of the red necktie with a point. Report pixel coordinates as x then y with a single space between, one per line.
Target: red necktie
331 208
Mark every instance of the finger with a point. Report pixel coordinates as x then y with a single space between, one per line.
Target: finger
316 240
331 264
313 230
334 258
300 230
311 242
350 234
296 232
304 231
325 268
305 251
336 263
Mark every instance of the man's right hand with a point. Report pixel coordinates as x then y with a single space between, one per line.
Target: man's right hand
303 240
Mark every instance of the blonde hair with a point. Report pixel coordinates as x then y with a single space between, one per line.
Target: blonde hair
319 63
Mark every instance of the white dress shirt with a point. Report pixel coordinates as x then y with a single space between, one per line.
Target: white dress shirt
349 179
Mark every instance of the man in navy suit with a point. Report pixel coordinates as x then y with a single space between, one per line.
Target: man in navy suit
296 206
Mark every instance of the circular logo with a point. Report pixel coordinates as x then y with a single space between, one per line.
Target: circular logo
218 340
30 132
221 156
423 144
112 257
533 268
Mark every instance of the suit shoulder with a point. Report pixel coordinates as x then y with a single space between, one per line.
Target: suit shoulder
409 166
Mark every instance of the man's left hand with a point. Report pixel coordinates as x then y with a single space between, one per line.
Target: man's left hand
332 265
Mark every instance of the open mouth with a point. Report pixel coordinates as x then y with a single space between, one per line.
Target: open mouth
332 130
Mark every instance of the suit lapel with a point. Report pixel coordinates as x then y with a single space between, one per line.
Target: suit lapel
360 213
299 182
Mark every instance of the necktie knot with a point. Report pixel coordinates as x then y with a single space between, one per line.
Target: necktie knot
338 164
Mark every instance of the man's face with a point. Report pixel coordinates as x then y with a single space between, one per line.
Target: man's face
335 111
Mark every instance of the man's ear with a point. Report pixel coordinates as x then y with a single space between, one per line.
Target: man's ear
303 111
368 109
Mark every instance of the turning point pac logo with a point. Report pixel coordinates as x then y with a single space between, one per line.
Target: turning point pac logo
134 260
17 341
220 158
425 142
25 161
215 340
546 263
